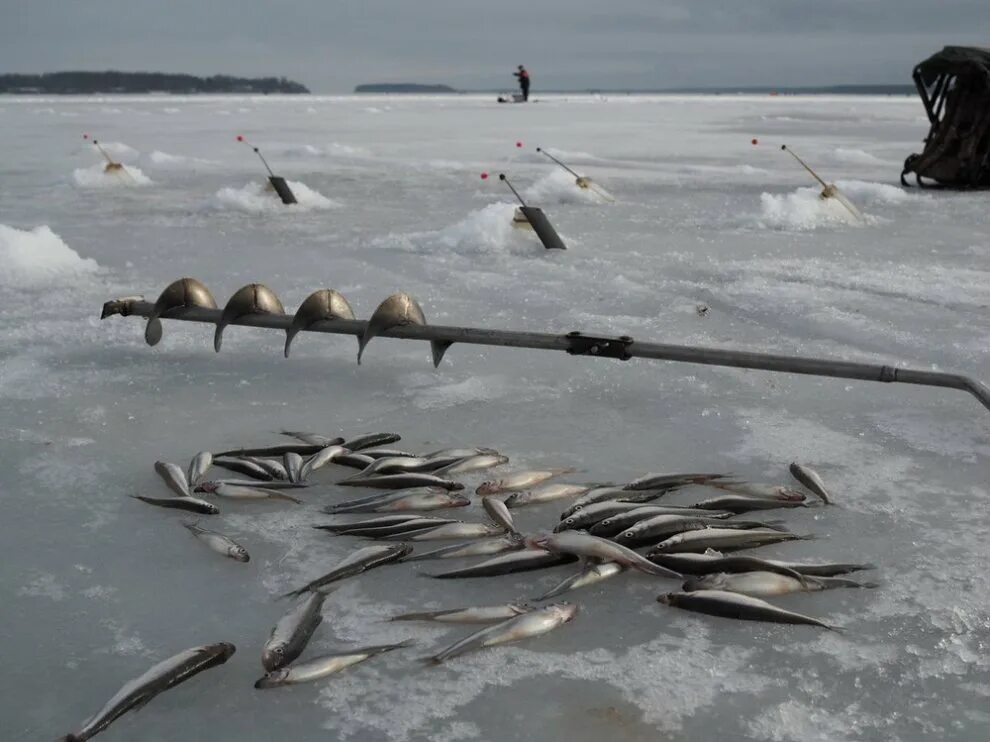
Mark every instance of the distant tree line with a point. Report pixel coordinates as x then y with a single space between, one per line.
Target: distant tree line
113 81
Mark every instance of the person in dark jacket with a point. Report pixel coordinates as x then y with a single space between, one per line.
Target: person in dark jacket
523 76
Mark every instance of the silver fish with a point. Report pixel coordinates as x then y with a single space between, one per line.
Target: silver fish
605 493
255 298
319 460
456 530
320 305
198 467
268 484
191 504
546 493
396 465
523 560
324 665
592 514
478 462
396 311
734 605
459 453
219 543
519 481
274 468
402 481
186 292
534 623
303 449
652 481
137 692
381 520
746 504
293 631
354 564
174 478
810 479
380 453
479 614
499 513
293 463
379 498
314 439
767 584
484 547
240 492
620 521
416 525
754 489
245 467
353 460
436 499
590 575
369 440
663 526
723 538
591 547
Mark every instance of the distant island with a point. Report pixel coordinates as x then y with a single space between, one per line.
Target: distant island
402 87
111 81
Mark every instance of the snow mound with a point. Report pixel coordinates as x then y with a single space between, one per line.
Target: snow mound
334 149
97 177
560 187
259 198
487 230
856 157
38 257
165 160
803 210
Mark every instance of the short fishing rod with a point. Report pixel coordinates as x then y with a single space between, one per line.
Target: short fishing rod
501 176
544 152
804 165
257 151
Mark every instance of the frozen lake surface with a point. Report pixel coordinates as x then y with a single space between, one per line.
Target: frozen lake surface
97 586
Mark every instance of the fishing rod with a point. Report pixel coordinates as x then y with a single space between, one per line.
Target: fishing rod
582 181
829 190
278 183
187 300
112 165
537 220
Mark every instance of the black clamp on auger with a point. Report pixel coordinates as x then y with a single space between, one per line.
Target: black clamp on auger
588 345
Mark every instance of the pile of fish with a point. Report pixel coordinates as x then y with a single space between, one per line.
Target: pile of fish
608 529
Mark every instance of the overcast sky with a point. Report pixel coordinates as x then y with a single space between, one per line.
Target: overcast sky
332 45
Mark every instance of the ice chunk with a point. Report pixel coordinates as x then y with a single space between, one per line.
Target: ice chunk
38 257
258 198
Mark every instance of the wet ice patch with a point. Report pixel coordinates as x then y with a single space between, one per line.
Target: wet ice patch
260 198
560 187
38 257
334 149
803 210
98 176
44 586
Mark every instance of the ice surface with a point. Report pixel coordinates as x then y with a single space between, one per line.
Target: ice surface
98 586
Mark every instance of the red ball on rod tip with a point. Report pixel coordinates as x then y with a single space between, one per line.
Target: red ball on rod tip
240 137
756 141
85 136
519 144
484 176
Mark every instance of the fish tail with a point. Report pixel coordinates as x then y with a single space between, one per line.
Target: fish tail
836 629
390 647
290 498
192 525
293 593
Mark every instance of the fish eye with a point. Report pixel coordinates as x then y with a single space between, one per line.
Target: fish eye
628 534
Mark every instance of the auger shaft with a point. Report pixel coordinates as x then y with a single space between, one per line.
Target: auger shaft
577 344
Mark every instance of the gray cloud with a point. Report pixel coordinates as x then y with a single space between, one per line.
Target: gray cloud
331 45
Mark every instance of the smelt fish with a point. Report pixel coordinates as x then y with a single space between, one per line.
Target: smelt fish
327 664
167 674
734 605
480 614
533 623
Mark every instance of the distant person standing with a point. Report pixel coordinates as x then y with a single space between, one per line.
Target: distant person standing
523 76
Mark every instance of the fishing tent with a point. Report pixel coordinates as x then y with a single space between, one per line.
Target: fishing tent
954 86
